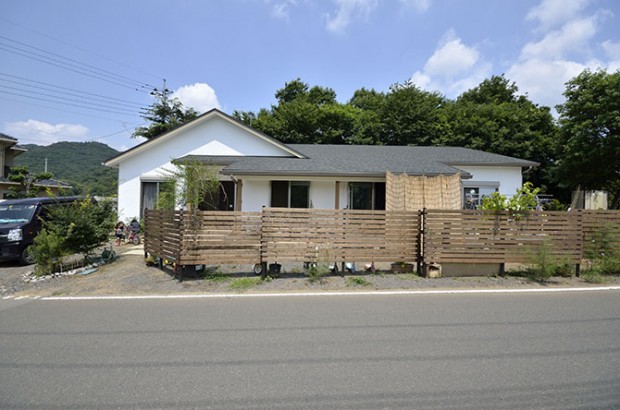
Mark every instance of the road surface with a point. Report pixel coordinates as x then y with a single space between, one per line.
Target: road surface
498 351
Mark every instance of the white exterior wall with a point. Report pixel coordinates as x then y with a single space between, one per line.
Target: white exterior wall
509 178
216 136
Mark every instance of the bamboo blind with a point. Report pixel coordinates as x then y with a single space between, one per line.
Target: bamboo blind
412 193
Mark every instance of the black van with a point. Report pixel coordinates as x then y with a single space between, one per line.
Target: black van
21 221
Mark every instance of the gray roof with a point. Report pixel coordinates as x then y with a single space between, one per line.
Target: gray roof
362 160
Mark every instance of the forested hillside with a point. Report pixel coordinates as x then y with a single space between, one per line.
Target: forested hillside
77 163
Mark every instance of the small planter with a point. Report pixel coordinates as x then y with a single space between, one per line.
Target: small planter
402 267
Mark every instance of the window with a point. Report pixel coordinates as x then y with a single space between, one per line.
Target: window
162 194
221 200
367 195
290 194
474 194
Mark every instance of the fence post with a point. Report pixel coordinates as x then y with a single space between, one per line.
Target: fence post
420 247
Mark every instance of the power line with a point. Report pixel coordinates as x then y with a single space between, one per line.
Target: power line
66 103
60 88
64 100
76 69
79 48
57 109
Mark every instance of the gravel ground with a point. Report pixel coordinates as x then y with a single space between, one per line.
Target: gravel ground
129 275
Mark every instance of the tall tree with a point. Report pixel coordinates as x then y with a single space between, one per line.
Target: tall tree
493 117
305 114
412 116
589 143
163 115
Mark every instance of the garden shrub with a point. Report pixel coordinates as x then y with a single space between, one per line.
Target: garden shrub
47 251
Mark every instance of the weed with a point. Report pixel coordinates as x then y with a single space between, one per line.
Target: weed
214 274
317 272
357 281
593 276
242 284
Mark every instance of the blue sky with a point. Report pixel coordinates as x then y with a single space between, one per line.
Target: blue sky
80 70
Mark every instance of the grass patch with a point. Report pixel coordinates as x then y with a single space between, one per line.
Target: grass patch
593 276
214 274
242 284
357 281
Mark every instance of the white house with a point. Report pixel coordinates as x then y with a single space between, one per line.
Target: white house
257 170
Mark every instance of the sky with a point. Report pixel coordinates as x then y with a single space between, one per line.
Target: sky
79 70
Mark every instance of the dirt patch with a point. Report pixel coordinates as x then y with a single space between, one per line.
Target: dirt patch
129 275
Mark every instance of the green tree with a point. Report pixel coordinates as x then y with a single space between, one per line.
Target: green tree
190 182
304 114
163 115
28 183
493 117
412 116
589 143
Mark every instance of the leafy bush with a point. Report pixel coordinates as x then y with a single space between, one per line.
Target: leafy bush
47 251
544 263
76 228
603 251
317 272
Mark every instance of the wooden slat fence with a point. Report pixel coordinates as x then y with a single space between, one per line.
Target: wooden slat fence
600 226
221 237
467 236
162 233
322 235
327 236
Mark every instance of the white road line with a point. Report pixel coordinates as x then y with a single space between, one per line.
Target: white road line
8 297
360 293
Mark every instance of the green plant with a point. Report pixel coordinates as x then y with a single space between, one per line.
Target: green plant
603 251
47 251
544 264
357 281
242 284
213 273
317 272
522 202
593 276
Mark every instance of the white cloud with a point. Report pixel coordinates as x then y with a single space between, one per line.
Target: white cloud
543 80
43 133
349 10
199 96
565 49
572 37
420 5
281 9
453 68
551 13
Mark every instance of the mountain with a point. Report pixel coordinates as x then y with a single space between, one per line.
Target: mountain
77 163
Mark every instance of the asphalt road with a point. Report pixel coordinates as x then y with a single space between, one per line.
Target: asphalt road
502 351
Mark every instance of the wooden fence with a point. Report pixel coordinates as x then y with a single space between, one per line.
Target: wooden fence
328 236
322 235
466 236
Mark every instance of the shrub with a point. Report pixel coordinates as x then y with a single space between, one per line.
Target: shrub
47 251
544 264
603 250
317 272
76 228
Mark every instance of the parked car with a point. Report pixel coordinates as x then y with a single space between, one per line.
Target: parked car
21 221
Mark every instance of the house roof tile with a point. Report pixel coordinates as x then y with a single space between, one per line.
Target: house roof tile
362 160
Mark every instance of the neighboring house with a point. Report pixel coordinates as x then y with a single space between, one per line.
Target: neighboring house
256 170
8 151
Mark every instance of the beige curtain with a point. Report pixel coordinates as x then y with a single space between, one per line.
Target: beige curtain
412 193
